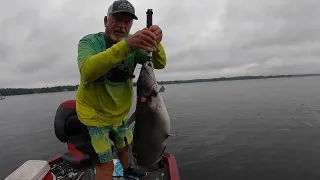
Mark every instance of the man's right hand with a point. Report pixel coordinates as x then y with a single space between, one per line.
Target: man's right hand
143 39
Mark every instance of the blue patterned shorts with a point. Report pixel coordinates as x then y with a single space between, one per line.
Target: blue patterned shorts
101 143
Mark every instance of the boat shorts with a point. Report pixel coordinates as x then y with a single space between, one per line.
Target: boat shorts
121 135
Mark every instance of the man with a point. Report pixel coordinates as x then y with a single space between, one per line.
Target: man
106 61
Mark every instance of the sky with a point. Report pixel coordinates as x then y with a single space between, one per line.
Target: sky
202 39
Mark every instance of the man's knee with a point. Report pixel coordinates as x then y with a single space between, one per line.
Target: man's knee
105 169
124 137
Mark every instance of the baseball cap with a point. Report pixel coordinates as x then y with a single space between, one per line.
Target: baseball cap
122 6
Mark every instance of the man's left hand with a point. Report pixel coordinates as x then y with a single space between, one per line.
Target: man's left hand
156 31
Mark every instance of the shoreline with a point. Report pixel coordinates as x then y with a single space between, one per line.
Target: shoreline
24 91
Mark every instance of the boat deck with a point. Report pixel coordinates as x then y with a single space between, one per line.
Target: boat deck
63 171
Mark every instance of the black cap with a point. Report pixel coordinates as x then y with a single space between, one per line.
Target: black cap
122 6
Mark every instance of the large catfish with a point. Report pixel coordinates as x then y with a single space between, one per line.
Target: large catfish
152 121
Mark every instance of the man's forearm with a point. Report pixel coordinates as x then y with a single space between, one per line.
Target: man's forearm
97 65
159 57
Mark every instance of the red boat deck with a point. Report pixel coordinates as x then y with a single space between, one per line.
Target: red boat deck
63 171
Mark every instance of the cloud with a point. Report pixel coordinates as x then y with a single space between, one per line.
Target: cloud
38 44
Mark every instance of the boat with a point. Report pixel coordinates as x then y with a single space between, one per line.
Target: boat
80 159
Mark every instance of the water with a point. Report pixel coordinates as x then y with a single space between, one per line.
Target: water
256 129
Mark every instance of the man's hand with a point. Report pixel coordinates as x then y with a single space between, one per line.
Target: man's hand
143 39
156 30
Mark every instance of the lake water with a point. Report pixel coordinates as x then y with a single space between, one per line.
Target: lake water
253 129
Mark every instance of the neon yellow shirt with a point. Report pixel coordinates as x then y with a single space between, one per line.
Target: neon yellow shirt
105 104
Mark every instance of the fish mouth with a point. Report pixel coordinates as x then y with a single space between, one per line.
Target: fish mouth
147 84
147 89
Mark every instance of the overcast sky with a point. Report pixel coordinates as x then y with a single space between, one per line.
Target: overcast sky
208 38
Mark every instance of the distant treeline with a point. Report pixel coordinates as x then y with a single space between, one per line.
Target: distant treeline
20 91
235 78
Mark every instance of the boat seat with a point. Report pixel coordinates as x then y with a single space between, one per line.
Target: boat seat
73 126
68 129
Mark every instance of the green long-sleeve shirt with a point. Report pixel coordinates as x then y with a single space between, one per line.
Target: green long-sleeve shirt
104 104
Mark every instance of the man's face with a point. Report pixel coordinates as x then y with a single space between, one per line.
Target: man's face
118 26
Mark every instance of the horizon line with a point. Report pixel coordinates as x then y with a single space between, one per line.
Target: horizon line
198 79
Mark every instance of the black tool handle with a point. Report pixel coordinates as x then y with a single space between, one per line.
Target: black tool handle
149 17
149 24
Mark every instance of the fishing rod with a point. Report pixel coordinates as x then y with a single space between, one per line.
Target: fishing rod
149 24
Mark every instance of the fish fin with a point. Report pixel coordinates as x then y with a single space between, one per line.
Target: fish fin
169 135
172 135
162 89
